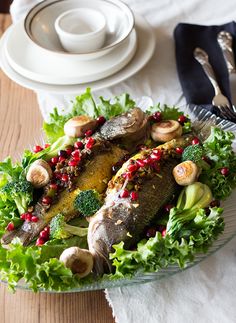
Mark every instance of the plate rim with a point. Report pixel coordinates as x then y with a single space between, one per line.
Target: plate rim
109 47
140 59
125 52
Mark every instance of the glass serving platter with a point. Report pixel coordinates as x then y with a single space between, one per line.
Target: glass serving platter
200 116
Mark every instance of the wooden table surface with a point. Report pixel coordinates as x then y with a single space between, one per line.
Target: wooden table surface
20 121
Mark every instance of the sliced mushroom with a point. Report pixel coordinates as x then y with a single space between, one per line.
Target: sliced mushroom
186 173
77 126
80 261
39 173
166 130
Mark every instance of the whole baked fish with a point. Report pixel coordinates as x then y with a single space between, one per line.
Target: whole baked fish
134 196
95 174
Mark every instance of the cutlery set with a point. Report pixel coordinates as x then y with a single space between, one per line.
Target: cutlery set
225 41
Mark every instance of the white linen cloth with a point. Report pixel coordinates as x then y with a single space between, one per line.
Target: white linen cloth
205 293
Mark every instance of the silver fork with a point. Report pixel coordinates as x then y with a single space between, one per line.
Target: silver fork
219 100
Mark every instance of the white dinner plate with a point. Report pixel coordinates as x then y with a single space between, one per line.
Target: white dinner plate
145 50
35 63
39 24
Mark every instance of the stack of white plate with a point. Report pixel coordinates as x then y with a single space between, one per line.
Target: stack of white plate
31 53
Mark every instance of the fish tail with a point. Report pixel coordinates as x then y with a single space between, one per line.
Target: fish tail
25 236
101 263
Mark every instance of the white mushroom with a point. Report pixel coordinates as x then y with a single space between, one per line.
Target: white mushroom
39 173
77 126
80 261
166 130
186 173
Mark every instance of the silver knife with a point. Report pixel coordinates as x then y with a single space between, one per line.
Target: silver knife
225 41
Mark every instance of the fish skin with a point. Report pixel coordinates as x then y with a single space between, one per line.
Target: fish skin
95 176
121 219
128 129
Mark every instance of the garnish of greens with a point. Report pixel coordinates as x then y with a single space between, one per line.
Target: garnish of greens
190 225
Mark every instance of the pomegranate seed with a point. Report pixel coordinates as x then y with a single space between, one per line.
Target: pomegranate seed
23 216
134 196
50 164
88 133
168 207
61 159
47 145
47 200
224 171
34 219
151 232
101 120
57 175
140 162
62 153
28 217
44 235
215 203
76 154
73 163
157 116
54 186
132 167
54 160
65 178
148 161
163 233
39 242
155 157
206 159
68 151
124 193
195 141
179 150
78 145
90 142
10 226
47 229
37 149
182 119
128 175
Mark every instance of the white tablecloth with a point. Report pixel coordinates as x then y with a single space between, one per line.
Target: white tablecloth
207 292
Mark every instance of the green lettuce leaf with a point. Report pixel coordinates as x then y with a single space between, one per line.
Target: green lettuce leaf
85 104
60 144
117 105
38 266
218 147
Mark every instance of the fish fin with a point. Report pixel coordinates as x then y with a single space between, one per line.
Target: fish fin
101 262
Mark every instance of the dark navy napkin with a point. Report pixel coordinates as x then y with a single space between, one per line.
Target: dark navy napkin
196 87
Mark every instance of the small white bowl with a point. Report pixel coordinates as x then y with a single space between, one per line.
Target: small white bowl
81 30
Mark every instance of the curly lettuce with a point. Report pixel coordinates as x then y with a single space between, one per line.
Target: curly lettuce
218 148
85 104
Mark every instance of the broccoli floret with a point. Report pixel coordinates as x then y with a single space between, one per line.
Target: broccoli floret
20 192
87 202
59 229
195 154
